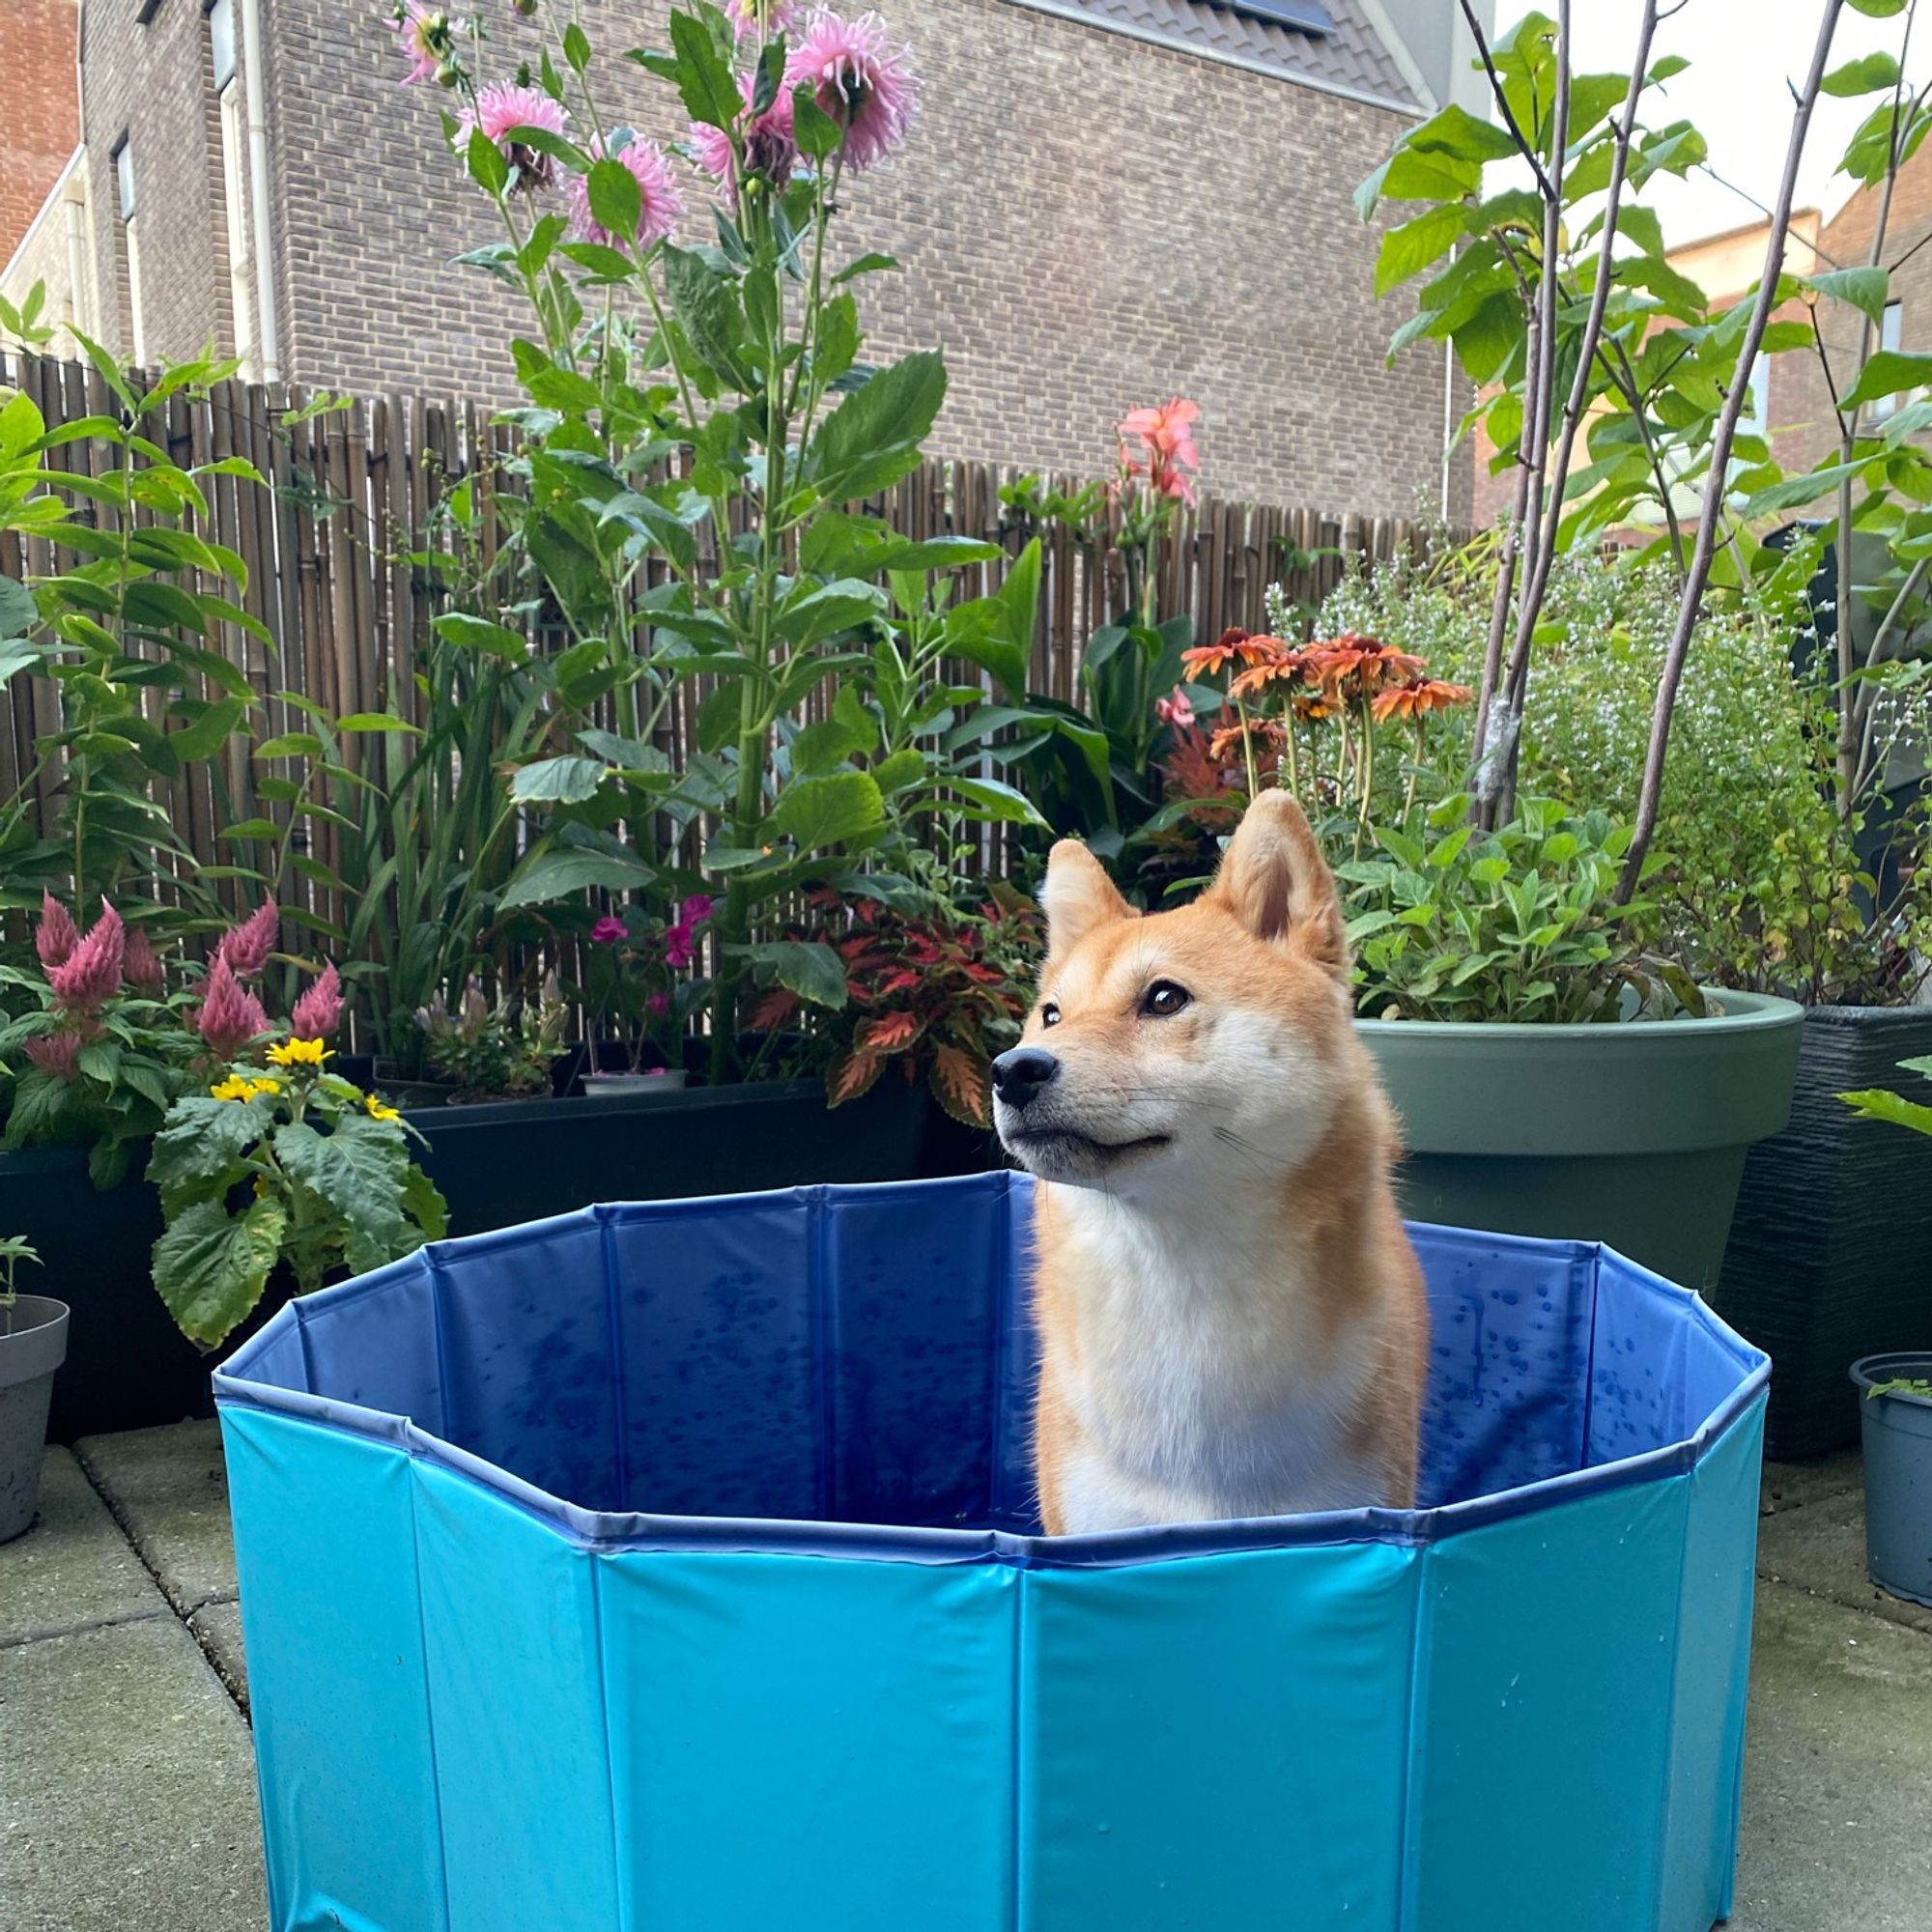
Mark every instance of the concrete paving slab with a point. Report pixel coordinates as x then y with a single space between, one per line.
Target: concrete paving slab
1821 1548
218 1629
169 1487
128 1799
1789 1486
73 1569
1838 1769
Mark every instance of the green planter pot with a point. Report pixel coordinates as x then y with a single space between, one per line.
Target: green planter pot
1633 1135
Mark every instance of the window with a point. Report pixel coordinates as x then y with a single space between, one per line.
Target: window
1890 334
123 185
222 40
1757 413
124 177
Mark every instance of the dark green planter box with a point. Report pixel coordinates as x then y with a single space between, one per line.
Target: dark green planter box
1831 1254
1633 1135
128 1367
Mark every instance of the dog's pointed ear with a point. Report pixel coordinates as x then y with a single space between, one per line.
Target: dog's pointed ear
1275 881
1078 896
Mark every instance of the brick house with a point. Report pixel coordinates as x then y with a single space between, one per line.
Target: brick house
43 175
1105 202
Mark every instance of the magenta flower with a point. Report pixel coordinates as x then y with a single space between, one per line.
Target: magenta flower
609 931
860 79
658 1005
680 947
55 934
247 947
694 911
229 1017
1174 709
770 150
501 107
90 975
762 16
57 1054
425 34
318 1012
142 964
662 203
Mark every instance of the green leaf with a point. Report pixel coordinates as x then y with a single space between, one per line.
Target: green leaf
576 47
1868 290
817 134
905 767
568 780
872 439
357 1170
19 614
706 304
200 1146
291 745
489 168
1003 804
557 874
376 721
424 1205
1887 373
1878 10
211 1268
815 812
478 634
812 971
1864 76
1876 1104
824 747
705 79
617 201
1412 246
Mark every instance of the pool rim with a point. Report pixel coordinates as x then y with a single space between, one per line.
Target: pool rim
623 1532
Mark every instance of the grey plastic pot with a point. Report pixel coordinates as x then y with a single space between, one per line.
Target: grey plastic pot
33 1345
1634 1134
1898 1475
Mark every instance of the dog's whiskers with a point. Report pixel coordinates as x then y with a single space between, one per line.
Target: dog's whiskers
1244 1147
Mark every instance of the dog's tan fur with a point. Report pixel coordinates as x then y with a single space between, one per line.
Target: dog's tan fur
1232 1318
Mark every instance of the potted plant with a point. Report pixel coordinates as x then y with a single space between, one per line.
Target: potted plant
33 1345
642 991
483 1050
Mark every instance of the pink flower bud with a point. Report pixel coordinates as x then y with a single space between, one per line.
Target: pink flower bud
91 974
319 1010
143 964
57 1054
228 1017
247 946
55 934
608 931
659 1004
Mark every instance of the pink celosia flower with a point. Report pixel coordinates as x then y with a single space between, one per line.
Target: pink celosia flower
425 34
57 1054
662 204
1167 453
318 1012
90 975
501 105
55 934
247 947
142 964
229 1017
608 931
762 16
860 79
694 911
770 149
1174 709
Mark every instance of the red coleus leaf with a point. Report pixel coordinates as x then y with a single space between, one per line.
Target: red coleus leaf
852 1076
960 1082
773 1011
890 1033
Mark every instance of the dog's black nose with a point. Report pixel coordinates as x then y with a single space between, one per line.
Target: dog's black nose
1018 1075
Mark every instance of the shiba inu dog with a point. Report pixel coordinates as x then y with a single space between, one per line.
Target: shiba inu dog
1232 1318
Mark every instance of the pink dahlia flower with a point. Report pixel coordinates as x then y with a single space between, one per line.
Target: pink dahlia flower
501 107
762 16
425 34
770 150
55 934
609 931
90 975
318 1012
662 203
229 1017
860 79
246 948
57 1054
1167 457
142 964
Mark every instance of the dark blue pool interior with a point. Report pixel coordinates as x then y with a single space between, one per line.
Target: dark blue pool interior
862 1355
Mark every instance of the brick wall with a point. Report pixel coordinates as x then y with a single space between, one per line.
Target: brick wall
42 122
1087 222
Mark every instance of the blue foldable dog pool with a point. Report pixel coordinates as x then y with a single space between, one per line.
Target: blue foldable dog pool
672 1568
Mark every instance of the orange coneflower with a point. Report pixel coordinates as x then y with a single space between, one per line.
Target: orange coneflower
1231 740
1363 664
1292 667
1417 699
1233 646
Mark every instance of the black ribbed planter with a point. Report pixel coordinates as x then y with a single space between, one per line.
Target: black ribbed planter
1830 1251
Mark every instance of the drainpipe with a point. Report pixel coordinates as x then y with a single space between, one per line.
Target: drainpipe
1448 417
268 334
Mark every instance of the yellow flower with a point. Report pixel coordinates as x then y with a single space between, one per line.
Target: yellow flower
260 1187
266 1085
376 1110
233 1088
300 1053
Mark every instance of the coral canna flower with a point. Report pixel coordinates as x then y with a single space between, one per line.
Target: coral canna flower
1174 709
91 974
1167 458
55 934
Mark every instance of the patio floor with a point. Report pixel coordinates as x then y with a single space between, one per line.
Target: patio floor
127 1781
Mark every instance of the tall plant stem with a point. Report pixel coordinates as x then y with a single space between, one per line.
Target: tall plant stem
1690 604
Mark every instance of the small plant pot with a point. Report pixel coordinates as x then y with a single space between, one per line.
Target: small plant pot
33 1345
656 1080
1898 1475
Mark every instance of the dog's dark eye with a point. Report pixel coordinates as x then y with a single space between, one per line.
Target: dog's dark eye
1163 999
1049 1014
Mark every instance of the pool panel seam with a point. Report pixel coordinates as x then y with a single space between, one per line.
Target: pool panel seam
619 1890
410 1477
1414 1743
620 1448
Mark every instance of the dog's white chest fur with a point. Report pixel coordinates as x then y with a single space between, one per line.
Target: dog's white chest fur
1203 1384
